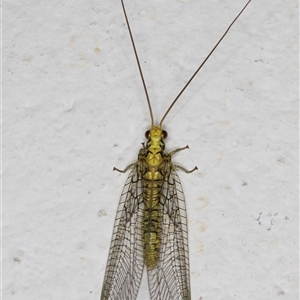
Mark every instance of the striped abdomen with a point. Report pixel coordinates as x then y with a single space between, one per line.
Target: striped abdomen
152 219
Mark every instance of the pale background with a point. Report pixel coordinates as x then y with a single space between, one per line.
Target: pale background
74 108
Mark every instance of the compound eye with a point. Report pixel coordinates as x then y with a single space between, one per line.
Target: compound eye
164 134
147 134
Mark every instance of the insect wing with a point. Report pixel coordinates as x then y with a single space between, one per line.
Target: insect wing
170 279
125 261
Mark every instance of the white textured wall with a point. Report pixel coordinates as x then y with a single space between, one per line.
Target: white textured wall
74 107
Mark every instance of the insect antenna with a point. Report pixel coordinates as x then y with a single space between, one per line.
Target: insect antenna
138 63
207 57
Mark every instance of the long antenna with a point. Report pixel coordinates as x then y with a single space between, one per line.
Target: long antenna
210 53
138 62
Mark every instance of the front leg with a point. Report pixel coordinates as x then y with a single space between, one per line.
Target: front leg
179 149
125 170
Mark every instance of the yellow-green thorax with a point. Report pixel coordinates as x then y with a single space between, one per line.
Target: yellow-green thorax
155 147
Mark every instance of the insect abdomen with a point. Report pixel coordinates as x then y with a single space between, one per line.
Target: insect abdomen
152 223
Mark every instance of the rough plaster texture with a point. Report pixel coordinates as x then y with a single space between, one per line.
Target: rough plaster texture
74 108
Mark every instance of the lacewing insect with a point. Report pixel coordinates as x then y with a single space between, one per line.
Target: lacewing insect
151 222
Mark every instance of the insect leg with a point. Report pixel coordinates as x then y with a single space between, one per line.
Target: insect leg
185 170
125 170
180 167
179 149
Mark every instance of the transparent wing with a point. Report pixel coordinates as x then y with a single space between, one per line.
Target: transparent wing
170 279
125 261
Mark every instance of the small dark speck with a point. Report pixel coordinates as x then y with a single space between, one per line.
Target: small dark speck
17 259
93 289
281 160
245 183
286 218
258 219
115 145
89 192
